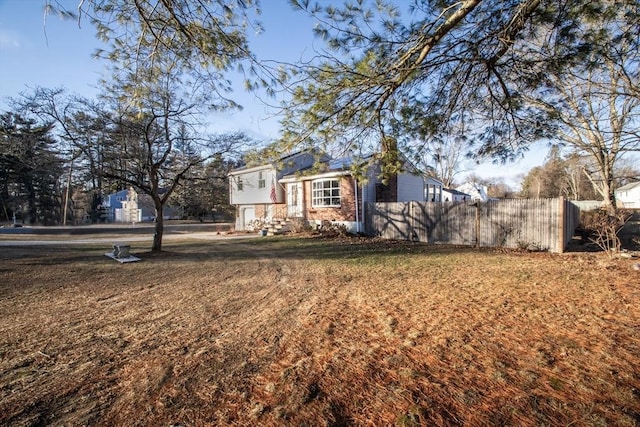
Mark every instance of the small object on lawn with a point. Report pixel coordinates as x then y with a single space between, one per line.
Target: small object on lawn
121 253
121 250
636 266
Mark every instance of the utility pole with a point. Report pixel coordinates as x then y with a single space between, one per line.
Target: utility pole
66 198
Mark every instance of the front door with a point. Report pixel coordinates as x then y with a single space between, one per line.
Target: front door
294 200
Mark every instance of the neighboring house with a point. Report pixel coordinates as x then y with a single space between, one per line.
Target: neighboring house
327 192
122 206
474 190
452 195
433 190
628 196
256 193
128 206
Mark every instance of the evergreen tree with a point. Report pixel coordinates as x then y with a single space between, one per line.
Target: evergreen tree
31 170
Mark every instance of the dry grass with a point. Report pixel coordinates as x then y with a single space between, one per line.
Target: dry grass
311 332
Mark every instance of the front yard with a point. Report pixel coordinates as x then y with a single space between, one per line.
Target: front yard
301 331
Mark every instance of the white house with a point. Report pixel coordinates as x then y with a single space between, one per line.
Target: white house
128 206
129 212
122 206
628 196
452 195
338 196
475 190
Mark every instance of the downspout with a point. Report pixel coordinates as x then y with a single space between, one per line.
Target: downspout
355 187
363 211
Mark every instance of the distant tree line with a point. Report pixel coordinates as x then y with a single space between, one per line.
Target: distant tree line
60 154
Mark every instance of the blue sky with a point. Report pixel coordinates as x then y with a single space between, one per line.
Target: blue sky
58 53
52 52
38 53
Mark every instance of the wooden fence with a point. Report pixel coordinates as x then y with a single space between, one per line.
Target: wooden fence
538 224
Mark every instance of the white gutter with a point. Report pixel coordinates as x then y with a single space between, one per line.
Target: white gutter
251 169
295 178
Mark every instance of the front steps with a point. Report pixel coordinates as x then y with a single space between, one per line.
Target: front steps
277 226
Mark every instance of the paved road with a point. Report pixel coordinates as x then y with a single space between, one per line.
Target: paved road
16 240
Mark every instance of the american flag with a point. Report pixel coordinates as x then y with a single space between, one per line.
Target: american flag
273 195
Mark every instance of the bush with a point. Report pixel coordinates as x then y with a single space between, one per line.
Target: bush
299 225
332 229
602 228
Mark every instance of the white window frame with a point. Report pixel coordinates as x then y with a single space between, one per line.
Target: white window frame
262 182
239 184
326 193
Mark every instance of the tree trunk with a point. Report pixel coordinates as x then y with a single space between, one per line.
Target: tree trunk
31 203
610 200
390 168
159 227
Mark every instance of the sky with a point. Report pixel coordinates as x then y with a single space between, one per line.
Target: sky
51 53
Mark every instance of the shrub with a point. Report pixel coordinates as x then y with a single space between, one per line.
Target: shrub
332 229
602 228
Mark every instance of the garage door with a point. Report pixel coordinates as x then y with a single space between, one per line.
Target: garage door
248 214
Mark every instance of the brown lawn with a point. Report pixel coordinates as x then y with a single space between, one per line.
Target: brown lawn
302 331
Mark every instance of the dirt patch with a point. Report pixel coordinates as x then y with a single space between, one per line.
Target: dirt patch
290 331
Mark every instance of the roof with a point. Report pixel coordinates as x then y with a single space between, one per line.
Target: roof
475 190
454 192
273 164
629 186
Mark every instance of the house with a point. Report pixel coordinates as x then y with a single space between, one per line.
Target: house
628 196
434 190
328 190
474 190
122 206
452 195
256 192
128 206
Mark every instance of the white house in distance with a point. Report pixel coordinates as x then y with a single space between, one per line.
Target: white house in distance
452 195
316 193
122 206
129 206
474 190
628 196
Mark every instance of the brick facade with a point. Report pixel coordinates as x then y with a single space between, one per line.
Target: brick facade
347 209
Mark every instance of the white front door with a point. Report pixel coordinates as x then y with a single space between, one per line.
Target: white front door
294 200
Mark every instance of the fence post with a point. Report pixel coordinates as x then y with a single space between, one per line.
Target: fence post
561 224
477 225
412 222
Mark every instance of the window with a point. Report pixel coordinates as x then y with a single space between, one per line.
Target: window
239 184
261 181
326 193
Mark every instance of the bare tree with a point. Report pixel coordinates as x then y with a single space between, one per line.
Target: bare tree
157 139
591 107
